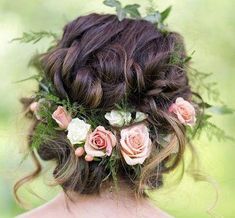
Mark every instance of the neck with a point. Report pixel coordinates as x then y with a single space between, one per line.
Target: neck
109 192
109 203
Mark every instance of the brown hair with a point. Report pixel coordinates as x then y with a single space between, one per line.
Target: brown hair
98 62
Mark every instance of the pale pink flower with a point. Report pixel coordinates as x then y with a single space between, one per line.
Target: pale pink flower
79 151
33 106
100 142
89 158
62 117
184 111
135 143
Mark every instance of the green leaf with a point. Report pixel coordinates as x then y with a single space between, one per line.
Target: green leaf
206 117
204 105
154 18
121 14
112 3
213 131
44 130
35 37
132 10
34 77
188 58
165 13
221 110
200 85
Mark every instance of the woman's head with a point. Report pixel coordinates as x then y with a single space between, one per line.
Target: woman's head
99 63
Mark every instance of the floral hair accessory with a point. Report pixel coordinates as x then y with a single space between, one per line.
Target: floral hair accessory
135 144
62 117
36 106
79 151
119 118
33 106
91 134
100 142
77 131
89 158
140 116
184 111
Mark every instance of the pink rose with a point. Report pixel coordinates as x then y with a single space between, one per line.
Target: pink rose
62 117
184 111
135 144
100 142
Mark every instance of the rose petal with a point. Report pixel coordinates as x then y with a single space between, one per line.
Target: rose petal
133 161
62 117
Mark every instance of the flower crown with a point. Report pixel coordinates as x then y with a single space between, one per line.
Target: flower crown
90 135
135 142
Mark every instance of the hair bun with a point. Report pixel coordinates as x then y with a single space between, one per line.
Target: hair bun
99 62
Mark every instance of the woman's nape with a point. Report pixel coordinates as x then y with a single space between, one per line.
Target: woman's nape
120 203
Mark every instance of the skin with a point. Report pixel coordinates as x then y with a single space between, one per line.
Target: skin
108 204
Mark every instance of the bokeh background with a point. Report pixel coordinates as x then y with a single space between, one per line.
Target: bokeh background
208 27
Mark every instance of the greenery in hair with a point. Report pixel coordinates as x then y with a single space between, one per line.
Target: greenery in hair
132 10
43 130
34 37
112 165
199 82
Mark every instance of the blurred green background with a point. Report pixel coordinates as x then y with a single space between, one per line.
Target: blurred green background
208 27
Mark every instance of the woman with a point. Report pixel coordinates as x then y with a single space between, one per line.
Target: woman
112 111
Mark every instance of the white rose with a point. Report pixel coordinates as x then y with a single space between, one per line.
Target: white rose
140 116
77 131
118 118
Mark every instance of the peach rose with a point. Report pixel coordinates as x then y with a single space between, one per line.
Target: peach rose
62 117
135 144
100 142
184 111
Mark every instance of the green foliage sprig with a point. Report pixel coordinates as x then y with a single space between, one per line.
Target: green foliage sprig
202 86
123 12
45 129
199 82
34 37
158 18
154 16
